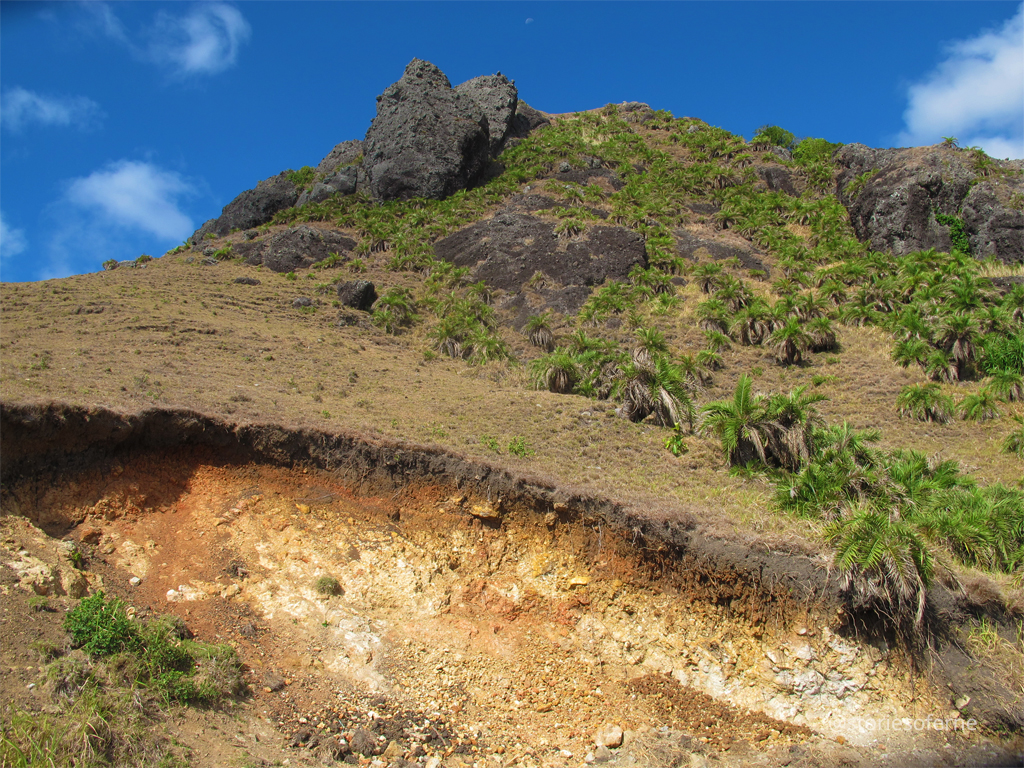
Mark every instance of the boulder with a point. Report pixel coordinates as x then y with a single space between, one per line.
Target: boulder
358 294
344 154
252 208
294 248
509 250
426 140
778 179
496 95
344 181
894 208
693 247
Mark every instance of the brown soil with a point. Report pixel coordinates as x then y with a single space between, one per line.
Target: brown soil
480 631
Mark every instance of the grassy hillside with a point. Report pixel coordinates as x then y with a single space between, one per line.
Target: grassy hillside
800 332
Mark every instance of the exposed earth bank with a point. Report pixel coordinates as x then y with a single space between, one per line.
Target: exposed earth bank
479 618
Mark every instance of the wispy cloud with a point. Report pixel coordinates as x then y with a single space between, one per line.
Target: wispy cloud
976 94
117 212
136 195
12 241
20 108
204 41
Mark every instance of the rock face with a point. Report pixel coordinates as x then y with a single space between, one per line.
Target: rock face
341 172
427 140
344 154
252 208
511 248
496 95
294 248
894 207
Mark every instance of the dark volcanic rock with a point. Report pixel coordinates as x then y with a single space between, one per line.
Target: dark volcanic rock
294 248
252 208
993 228
778 179
692 247
344 181
510 249
526 120
346 153
426 140
895 208
358 294
496 95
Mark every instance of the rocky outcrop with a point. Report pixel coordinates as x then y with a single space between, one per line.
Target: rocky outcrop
340 173
526 120
496 95
295 248
513 249
252 208
345 154
893 195
344 181
427 140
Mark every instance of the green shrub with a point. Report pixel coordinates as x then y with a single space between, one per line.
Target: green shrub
810 151
957 232
327 585
774 135
101 628
303 177
154 654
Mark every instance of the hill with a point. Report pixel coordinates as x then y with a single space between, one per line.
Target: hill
779 380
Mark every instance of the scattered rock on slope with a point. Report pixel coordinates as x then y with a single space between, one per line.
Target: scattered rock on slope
427 140
252 208
894 208
511 248
295 248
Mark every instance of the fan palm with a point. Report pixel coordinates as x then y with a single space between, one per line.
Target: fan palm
742 424
924 402
538 330
1007 385
979 407
791 342
659 390
557 371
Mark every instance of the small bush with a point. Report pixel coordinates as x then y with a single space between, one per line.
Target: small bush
303 177
327 585
774 135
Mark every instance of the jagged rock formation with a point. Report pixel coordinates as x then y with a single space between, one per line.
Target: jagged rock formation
496 95
252 208
294 248
892 196
427 139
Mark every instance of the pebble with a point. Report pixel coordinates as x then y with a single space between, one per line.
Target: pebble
608 735
135 581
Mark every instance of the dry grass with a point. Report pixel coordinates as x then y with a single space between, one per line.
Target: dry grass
185 335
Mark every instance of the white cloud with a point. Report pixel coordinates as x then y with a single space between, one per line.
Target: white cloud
136 195
12 241
20 108
203 41
976 94
206 41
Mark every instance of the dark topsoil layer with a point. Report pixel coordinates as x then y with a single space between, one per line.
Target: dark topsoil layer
49 444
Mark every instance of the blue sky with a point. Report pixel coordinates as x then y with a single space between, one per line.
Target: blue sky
124 126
